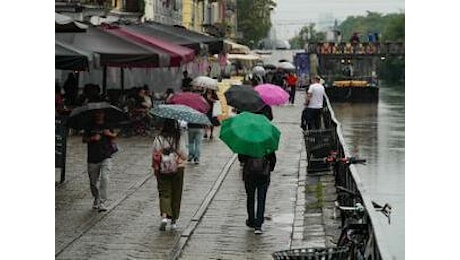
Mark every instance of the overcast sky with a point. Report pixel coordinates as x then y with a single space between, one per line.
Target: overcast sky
290 15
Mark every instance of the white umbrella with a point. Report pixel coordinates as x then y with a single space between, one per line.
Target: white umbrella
258 70
286 65
205 82
68 24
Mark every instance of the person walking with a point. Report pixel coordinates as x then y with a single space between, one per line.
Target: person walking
100 140
71 90
195 137
268 113
291 81
311 115
186 85
169 153
211 96
256 176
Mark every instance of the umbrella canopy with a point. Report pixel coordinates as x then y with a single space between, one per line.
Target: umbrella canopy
67 24
244 98
192 100
269 66
250 134
69 58
214 45
272 94
236 48
181 36
178 54
180 112
285 65
113 50
258 70
82 116
205 82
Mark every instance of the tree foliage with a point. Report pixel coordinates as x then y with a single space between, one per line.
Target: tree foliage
391 27
373 22
307 34
254 19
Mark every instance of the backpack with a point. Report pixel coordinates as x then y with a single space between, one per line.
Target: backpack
257 166
165 160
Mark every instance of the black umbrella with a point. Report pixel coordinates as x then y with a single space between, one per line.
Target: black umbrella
244 98
82 116
269 66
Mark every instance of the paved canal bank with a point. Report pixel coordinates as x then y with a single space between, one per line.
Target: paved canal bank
213 212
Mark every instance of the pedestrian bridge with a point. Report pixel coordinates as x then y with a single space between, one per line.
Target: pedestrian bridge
361 49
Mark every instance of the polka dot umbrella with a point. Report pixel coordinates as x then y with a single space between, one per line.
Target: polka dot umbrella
180 112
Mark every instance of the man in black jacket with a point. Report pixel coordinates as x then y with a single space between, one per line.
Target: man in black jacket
256 176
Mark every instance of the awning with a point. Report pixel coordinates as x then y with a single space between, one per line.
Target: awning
180 36
245 57
68 58
178 54
67 24
236 48
115 51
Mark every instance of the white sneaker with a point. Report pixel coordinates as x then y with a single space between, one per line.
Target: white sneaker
173 225
164 221
102 207
258 231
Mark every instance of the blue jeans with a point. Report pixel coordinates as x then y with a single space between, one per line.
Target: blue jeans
195 136
261 186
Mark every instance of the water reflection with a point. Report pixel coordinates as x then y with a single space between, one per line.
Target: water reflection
376 132
359 127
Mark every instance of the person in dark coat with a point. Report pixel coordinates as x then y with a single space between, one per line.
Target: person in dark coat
186 82
70 90
254 182
267 112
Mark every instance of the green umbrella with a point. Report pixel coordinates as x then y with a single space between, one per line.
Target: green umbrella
250 134
180 112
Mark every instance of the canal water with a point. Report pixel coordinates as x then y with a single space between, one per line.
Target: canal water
376 132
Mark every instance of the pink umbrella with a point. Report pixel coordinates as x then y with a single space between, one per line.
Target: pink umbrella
192 100
272 94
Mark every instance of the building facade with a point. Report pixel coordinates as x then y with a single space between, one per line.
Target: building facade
164 11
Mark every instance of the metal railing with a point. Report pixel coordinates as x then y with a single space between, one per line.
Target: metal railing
364 48
352 194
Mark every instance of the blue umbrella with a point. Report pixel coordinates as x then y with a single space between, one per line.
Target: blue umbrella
180 112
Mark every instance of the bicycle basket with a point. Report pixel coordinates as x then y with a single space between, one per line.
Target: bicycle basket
324 253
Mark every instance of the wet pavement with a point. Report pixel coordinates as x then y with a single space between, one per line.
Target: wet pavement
212 221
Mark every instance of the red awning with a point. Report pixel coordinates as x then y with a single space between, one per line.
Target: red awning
179 54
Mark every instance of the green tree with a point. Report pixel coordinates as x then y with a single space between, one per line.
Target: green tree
254 20
307 34
373 22
392 69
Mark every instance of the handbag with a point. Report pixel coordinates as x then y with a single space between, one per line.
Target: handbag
216 109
